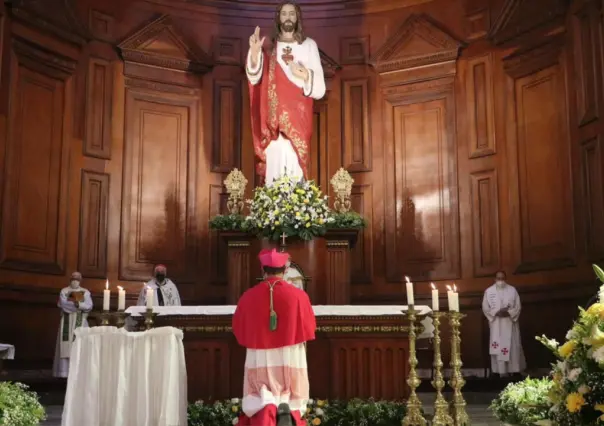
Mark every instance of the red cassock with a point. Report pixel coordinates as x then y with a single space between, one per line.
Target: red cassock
277 105
251 325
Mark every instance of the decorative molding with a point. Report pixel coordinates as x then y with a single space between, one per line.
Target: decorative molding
480 106
99 94
330 66
56 17
417 34
43 60
161 44
527 61
356 133
136 83
354 50
518 17
101 25
227 50
226 140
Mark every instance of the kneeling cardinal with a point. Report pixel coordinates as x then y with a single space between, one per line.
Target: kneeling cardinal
273 320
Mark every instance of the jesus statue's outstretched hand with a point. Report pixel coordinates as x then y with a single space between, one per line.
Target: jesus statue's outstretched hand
255 46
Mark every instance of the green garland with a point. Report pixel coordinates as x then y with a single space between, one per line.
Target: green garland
355 412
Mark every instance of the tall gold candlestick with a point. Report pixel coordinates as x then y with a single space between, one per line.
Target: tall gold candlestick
457 381
149 318
105 318
414 405
441 407
121 318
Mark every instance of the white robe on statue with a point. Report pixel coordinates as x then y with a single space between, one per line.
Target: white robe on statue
281 159
505 346
165 291
71 318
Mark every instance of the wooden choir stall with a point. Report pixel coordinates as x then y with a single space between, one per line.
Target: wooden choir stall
359 351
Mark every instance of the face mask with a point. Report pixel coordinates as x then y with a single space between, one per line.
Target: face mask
160 277
500 282
74 284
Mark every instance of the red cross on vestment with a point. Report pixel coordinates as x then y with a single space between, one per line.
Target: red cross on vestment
495 345
504 351
287 55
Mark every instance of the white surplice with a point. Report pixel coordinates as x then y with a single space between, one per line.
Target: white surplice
505 346
168 290
71 318
281 159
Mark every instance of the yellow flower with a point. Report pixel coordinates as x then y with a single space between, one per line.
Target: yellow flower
596 309
320 403
276 222
574 402
297 214
316 421
596 338
308 225
600 408
567 349
234 408
306 201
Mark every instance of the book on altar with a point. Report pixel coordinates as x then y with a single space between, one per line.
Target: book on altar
76 296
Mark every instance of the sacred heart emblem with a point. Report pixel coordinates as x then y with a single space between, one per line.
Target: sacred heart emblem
287 55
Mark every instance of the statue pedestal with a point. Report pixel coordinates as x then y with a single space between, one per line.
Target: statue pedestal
324 263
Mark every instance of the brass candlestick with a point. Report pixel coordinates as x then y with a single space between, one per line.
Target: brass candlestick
457 381
441 407
149 318
414 405
105 318
120 322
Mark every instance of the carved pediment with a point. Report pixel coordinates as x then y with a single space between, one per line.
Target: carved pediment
521 16
418 42
161 44
330 66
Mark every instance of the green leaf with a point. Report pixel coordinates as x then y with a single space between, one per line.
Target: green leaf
599 272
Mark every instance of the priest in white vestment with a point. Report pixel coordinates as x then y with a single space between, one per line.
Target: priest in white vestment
501 305
75 304
283 84
166 293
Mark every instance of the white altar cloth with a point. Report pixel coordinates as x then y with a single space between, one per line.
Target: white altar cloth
120 378
7 351
320 311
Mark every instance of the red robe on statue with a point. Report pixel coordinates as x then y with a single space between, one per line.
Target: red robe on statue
277 105
296 324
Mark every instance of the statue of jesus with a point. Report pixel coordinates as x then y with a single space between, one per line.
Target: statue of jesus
283 84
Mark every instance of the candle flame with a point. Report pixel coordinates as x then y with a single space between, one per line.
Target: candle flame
120 287
454 288
433 286
107 285
449 288
407 278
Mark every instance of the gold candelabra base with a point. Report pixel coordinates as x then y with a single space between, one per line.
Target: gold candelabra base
149 318
414 415
457 382
442 416
105 315
121 316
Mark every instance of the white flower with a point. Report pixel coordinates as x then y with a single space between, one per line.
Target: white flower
235 401
583 389
574 374
598 355
319 411
235 421
311 402
570 334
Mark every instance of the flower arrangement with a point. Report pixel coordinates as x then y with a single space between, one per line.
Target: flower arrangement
319 412
290 207
523 403
577 394
19 406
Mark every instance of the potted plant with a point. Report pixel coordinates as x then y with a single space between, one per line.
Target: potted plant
523 403
19 406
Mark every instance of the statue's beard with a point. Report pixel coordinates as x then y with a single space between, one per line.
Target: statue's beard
288 26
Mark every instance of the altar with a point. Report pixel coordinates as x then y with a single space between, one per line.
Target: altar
359 351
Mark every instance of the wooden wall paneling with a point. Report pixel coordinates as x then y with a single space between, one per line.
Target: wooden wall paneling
101 25
94 211
480 108
217 255
593 196
485 222
226 141
35 201
319 146
585 24
158 201
354 50
539 150
99 93
227 51
423 236
213 381
362 254
355 125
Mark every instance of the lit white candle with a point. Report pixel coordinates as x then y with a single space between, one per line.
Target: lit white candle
106 296
455 299
150 296
450 297
435 306
121 299
410 298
